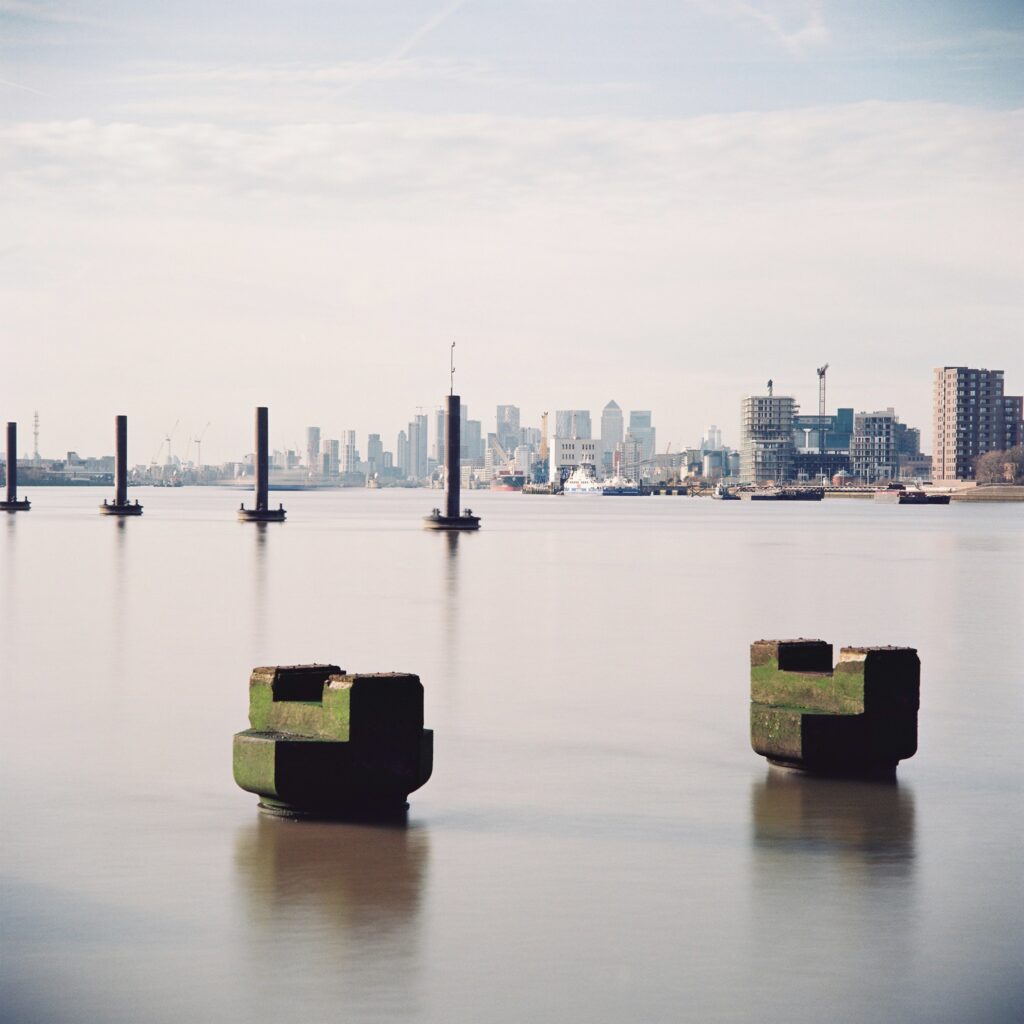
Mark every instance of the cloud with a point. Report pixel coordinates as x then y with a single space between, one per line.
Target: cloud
862 149
681 260
45 12
798 25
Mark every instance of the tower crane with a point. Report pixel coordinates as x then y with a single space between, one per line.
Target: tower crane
822 370
199 446
167 441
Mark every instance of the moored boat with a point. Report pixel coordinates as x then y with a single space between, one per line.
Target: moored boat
582 481
507 480
621 486
722 493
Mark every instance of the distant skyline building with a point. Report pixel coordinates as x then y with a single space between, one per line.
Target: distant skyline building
417 468
640 427
329 457
627 457
712 439
611 433
440 418
313 449
566 453
402 453
374 454
570 423
971 416
766 438
348 453
507 427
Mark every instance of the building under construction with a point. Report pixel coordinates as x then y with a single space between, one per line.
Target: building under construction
766 438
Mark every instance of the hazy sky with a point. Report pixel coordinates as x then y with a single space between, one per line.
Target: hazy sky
208 206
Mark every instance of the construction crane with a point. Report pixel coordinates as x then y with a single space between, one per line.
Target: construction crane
502 454
199 446
822 370
167 441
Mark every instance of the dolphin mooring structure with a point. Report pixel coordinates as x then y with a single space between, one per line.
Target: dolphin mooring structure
262 513
858 718
121 506
12 504
329 744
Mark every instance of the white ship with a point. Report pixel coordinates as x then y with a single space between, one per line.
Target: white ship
582 481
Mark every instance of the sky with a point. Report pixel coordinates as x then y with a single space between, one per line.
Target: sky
212 206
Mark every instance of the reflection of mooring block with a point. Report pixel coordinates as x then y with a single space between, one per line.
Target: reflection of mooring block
859 718
331 744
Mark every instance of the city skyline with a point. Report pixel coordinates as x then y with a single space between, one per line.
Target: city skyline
297 440
207 212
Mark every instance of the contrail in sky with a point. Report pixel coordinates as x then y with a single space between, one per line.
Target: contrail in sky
24 88
425 29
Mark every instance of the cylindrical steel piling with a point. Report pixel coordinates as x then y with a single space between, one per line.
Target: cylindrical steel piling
121 460
453 443
261 458
12 462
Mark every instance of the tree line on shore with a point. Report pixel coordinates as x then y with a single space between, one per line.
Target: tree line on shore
1005 467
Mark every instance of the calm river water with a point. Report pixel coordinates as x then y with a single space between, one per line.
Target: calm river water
598 842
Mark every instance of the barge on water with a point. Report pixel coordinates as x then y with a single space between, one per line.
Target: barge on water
899 494
789 494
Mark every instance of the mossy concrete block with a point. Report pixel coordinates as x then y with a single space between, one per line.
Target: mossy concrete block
327 743
859 717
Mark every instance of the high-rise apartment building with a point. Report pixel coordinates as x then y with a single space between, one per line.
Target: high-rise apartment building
971 416
873 451
766 438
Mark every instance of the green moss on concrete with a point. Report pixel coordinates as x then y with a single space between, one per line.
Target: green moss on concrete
860 717
836 693
776 732
361 744
253 763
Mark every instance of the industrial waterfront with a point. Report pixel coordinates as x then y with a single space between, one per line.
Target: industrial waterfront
598 841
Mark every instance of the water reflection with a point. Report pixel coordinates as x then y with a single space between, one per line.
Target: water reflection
259 581
121 600
350 878
865 824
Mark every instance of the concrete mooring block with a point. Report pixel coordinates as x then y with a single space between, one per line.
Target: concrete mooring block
326 743
857 718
